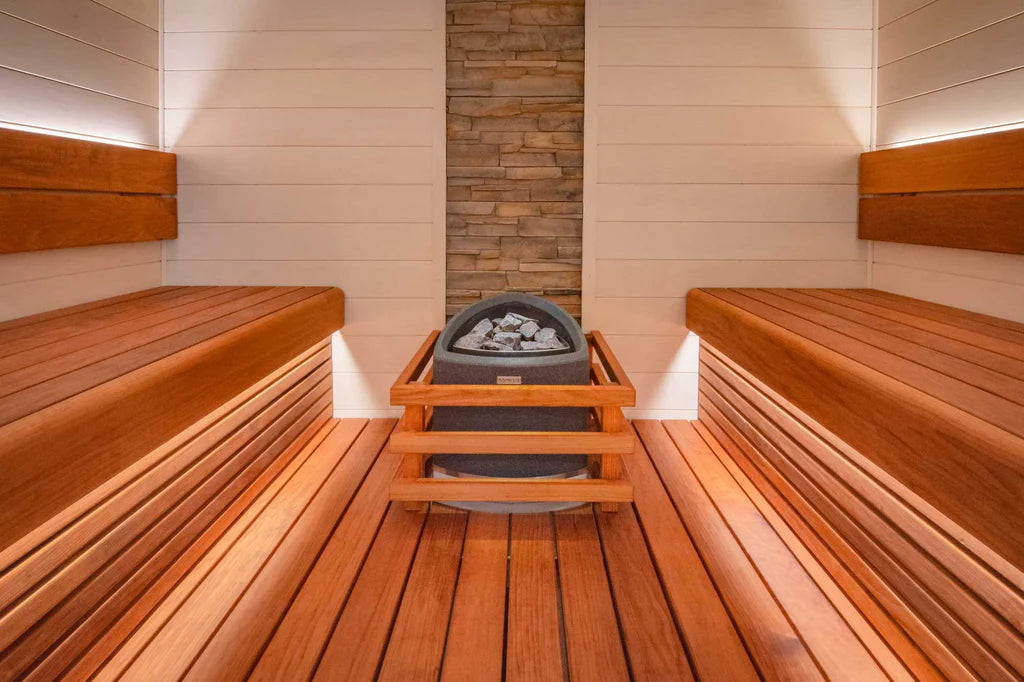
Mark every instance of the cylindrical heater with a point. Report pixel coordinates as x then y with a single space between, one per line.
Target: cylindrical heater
540 344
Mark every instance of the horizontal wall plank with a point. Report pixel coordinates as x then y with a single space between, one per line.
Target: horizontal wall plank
363 391
305 165
639 353
41 52
302 241
730 86
56 106
640 316
726 164
296 88
299 127
305 203
1000 267
734 125
728 241
318 15
91 23
760 47
643 278
365 279
35 296
34 161
994 101
794 13
34 221
391 316
891 10
374 354
40 265
143 11
665 390
988 297
989 222
938 22
992 161
215 50
989 51
728 203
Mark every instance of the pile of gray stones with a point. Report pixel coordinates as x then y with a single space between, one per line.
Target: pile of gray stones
512 332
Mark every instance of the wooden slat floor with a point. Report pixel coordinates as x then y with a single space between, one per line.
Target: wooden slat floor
321 578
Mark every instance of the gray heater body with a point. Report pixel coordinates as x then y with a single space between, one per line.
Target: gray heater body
565 366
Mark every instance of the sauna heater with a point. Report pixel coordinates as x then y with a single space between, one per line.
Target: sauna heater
514 339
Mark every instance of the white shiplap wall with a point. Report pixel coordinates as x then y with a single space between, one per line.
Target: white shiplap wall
310 141
947 67
722 141
89 68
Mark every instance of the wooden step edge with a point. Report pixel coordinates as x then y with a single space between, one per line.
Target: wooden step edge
510 490
511 442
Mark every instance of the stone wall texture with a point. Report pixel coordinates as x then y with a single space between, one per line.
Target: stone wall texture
515 150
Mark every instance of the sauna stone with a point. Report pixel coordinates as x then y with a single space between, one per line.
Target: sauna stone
511 332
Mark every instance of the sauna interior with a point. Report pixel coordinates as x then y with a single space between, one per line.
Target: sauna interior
746 276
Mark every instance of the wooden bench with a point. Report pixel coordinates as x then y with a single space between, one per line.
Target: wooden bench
887 434
133 432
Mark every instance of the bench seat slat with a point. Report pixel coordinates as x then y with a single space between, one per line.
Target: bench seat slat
306 624
416 644
362 627
184 634
715 646
243 634
654 648
834 645
931 337
592 642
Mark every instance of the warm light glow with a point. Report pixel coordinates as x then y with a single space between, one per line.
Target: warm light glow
73 136
957 136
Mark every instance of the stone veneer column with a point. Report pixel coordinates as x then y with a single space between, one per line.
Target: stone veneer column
515 150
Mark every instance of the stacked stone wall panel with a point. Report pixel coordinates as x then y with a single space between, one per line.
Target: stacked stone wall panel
515 150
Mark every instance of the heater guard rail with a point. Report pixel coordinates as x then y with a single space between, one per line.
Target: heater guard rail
609 438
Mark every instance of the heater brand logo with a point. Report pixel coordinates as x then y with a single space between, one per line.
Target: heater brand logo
510 380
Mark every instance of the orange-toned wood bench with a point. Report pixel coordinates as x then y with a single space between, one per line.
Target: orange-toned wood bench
134 432
887 433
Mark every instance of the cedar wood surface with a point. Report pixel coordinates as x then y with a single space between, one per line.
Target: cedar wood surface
57 192
963 193
902 380
312 574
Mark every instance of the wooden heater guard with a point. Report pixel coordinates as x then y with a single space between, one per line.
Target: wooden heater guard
607 440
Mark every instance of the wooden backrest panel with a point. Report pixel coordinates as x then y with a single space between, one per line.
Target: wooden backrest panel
981 205
58 192
993 161
80 415
983 222
36 161
956 445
